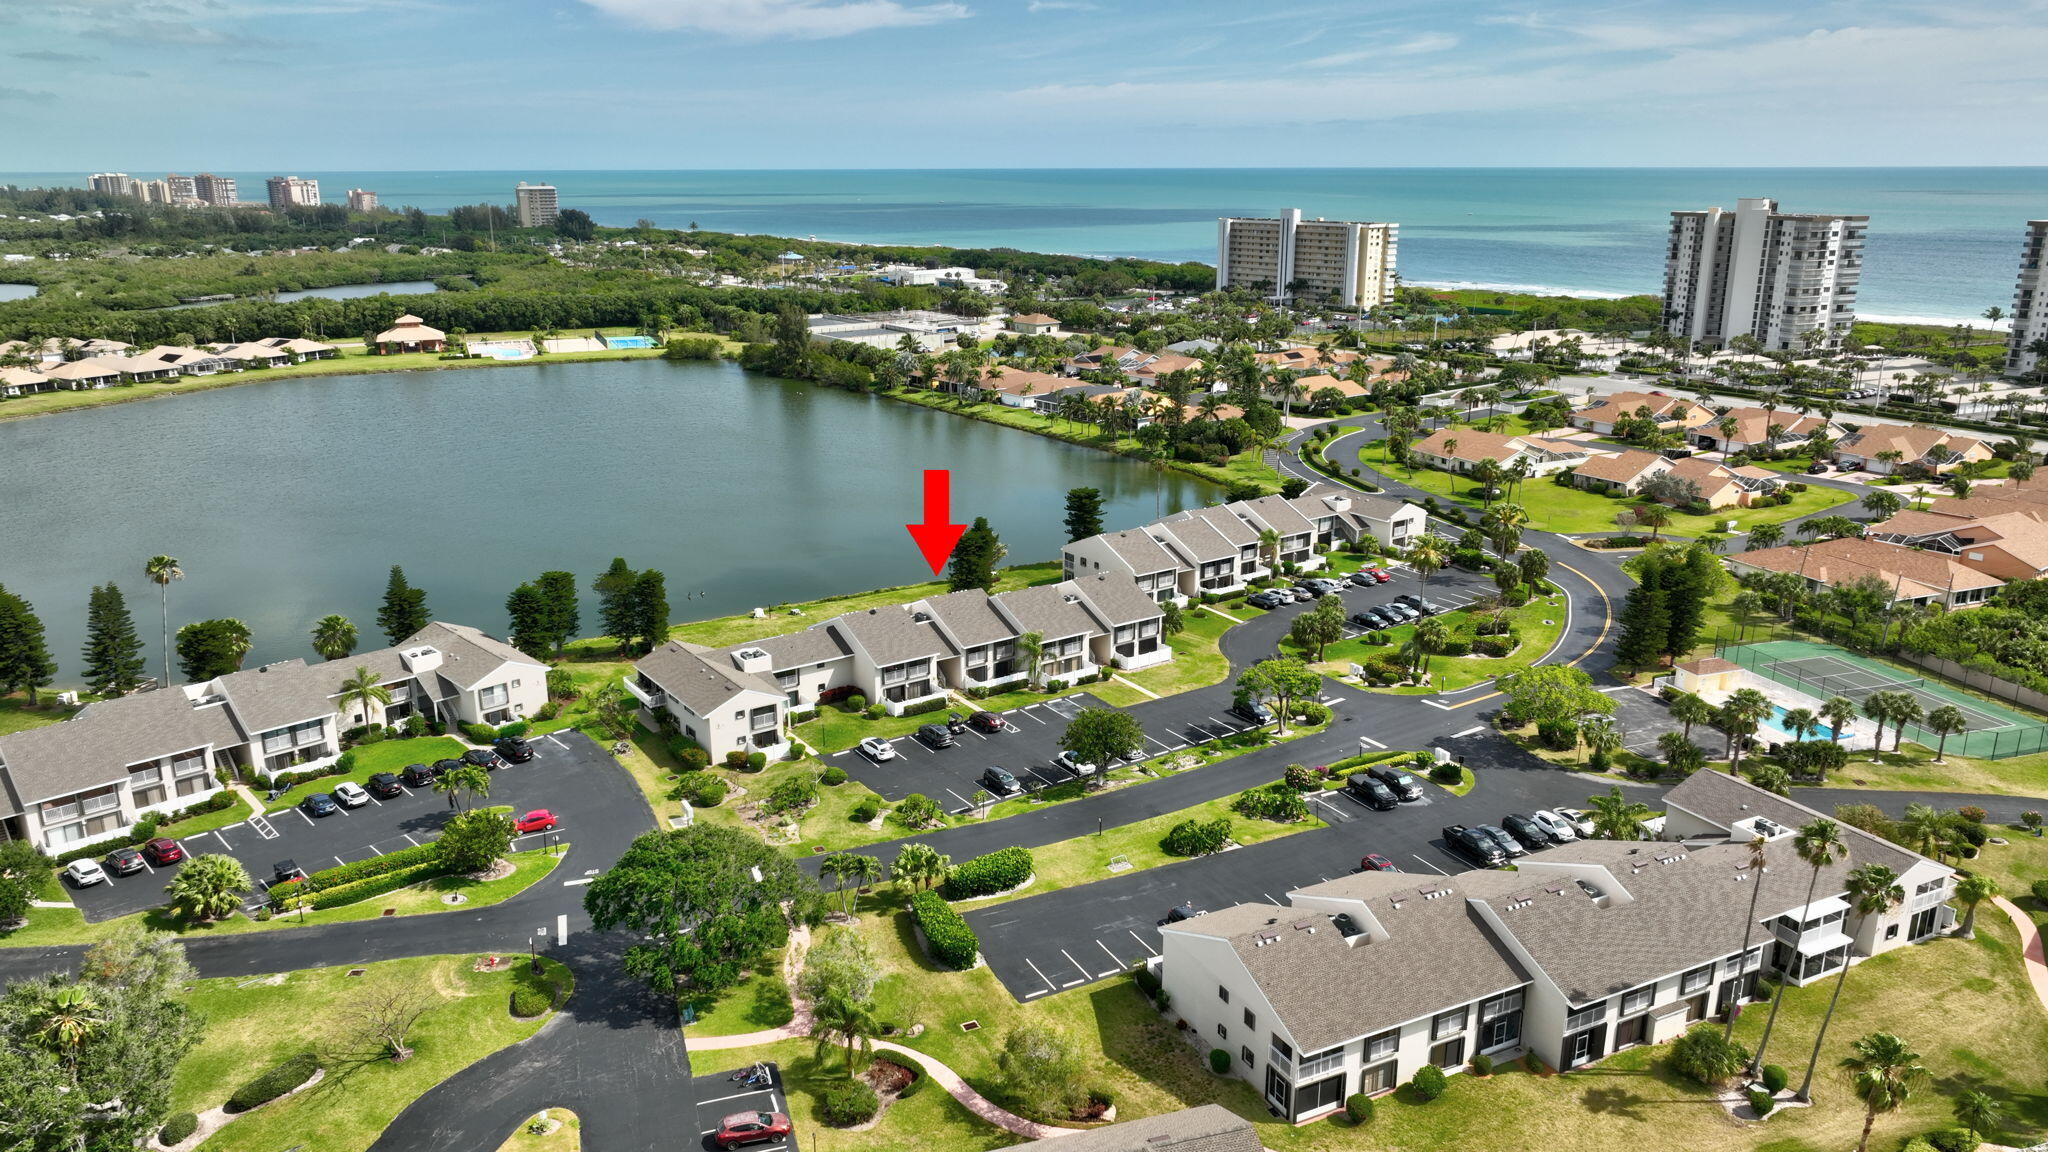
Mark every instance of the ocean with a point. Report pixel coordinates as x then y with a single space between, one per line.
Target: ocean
1943 245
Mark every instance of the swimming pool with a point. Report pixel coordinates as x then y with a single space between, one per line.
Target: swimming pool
1776 723
629 341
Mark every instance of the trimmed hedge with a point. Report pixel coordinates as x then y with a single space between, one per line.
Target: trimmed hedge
178 1128
529 1001
1775 1078
952 942
359 890
478 733
274 1083
341 874
1761 1101
999 870
848 1102
865 811
935 704
1358 1106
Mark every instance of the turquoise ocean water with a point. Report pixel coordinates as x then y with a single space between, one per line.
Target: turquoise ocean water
1944 242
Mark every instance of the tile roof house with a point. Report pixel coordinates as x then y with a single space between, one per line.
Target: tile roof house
1032 323
1669 412
1623 472
1914 576
1462 449
1934 449
91 372
2007 545
1015 387
1585 949
1753 429
23 381
1720 486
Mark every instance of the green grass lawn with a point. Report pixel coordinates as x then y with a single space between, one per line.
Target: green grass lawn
1913 768
1450 673
383 756
254 1024
745 1007
1197 662
17 715
567 1135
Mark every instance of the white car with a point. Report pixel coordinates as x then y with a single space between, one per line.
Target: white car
1072 763
85 873
1580 822
877 750
1557 827
349 794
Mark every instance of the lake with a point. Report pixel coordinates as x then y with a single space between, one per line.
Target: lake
17 292
338 292
290 499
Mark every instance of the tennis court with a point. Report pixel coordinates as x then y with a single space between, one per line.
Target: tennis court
1823 670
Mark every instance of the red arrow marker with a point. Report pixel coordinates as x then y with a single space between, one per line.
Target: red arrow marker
935 537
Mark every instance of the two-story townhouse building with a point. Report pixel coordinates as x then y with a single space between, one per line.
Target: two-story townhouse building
1210 562
983 640
1066 628
722 707
1132 552
807 667
1276 514
1131 624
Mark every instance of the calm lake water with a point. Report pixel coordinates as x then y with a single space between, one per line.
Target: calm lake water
338 292
17 291
290 499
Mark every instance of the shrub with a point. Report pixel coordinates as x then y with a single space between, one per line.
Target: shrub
736 760
917 810
1972 813
359 890
1429 1083
917 1080
478 733
515 728
1775 1078
1482 1065
1219 1061
274 1083
341 874
876 712
1358 1106
999 870
1146 979
1276 802
1953 1140
1313 712
833 776
1456 648
701 789
1300 779
1196 837
1762 1101
178 1128
792 795
856 703
1492 646
923 706
848 1102
2040 890
865 811
1447 773
542 714
951 941
1701 1055
756 761
529 1000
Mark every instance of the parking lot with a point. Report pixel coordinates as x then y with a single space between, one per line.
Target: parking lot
719 1095
412 818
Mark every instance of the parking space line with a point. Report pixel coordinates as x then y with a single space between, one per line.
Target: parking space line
1269 898
1077 965
1049 985
1371 741
1105 951
1141 942
408 837
1431 867
739 1096
1026 711
303 816
339 860
223 840
1472 731
960 798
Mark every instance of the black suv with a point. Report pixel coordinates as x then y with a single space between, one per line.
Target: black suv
1474 845
936 736
383 785
1508 844
514 748
1366 621
1267 599
421 775
999 781
1253 711
1400 783
1530 833
1370 792
482 758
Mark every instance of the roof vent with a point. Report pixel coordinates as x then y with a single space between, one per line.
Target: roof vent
1265 938
1590 889
1554 889
921 617
1071 597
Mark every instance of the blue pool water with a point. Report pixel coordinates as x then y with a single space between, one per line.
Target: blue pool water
629 341
1777 724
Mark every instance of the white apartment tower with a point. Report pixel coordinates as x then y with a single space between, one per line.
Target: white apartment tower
2029 303
1760 272
362 200
534 204
218 191
293 192
113 184
154 191
1314 261
184 190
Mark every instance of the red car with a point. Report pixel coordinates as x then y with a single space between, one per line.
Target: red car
988 722
751 1128
163 850
538 820
1374 862
1379 574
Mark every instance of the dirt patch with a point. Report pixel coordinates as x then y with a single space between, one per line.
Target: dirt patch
493 963
888 1077
499 869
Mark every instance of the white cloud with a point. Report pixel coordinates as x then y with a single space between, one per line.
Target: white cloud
1415 46
778 19
1059 6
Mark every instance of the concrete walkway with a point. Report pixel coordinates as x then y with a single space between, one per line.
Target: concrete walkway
2030 947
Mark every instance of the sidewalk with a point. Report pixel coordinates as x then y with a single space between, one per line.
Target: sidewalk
2030 947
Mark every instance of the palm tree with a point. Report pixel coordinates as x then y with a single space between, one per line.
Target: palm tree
1906 709
920 865
1617 817
1799 722
834 868
161 570
1427 555
208 887
1269 547
1758 854
837 1017
1428 639
334 637
1873 890
1739 716
1031 649
1878 706
67 1021
1971 891
363 688
1837 711
450 785
473 779
1980 1113
1926 831
1944 722
1689 710
1819 843
1763 536
1884 1071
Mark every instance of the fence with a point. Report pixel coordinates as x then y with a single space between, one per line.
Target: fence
1983 682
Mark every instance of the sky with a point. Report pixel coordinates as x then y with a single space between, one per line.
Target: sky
152 85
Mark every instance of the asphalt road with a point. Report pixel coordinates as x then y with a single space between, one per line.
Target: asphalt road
719 1096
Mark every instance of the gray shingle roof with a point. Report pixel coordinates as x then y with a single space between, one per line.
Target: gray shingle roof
1725 800
698 676
1116 598
891 635
288 692
467 655
969 618
1228 524
1205 1128
1047 610
1276 513
96 746
1144 554
1196 539
814 645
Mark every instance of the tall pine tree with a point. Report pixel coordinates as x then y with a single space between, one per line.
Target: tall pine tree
1690 581
1084 513
529 612
558 598
1645 618
650 608
113 652
975 558
615 601
25 664
405 608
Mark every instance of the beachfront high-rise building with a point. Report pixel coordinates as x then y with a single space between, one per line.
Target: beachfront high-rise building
1760 272
154 191
534 204
113 184
184 190
2023 349
362 200
293 192
218 191
1316 261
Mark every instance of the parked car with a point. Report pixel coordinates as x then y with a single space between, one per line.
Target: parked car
1072 763
936 736
1406 613
1528 832
1379 574
877 750
384 785
123 861
1300 593
1580 822
987 722
285 871
482 758
1268 599
162 850
1367 621
319 804
419 775
999 781
1362 579
742 1128
1374 862
1370 792
538 820
443 767
1474 845
1816 468
1253 711
350 794
514 748
1324 586
1180 912
1386 617
1558 827
1508 844
1426 607
1401 784
85 873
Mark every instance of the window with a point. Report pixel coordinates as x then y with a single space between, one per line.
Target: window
1222 1033
1586 1017
1449 1054
1223 993
1244 1053
1250 1021
1891 931
1636 1001
1383 1045
1696 979
494 696
1447 1024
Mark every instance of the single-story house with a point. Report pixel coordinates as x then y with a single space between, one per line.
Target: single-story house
1032 324
23 381
1752 429
1670 412
1620 474
1462 450
301 349
1934 449
91 372
409 333
1721 486
1915 576
2008 545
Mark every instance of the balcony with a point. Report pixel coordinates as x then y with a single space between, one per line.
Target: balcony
646 691
1319 1064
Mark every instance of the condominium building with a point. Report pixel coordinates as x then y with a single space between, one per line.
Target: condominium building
1756 271
1315 261
362 200
154 191
218 191
293 192
184 189
113 184
534 204
2029 303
